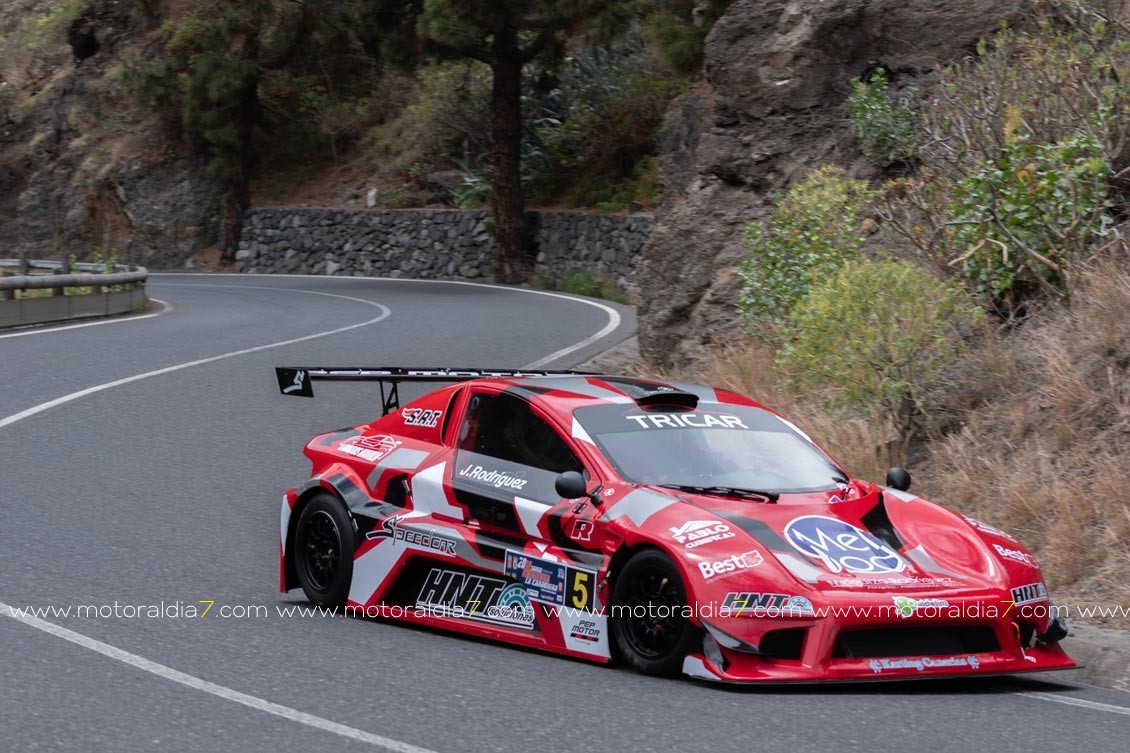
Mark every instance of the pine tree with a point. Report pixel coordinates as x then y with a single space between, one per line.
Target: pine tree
506 36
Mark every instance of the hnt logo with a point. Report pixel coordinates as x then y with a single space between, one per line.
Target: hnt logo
841 546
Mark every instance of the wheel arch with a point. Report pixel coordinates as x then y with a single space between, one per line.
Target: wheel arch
629 549
338 485
617 562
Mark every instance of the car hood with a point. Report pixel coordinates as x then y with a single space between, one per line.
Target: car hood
878 540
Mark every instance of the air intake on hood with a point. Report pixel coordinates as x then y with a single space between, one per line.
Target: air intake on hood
654 394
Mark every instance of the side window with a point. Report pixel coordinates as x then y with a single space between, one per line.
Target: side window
504 427
504 450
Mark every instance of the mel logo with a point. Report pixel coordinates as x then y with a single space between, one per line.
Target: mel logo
841 546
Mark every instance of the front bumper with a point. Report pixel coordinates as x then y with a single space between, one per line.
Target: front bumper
824 651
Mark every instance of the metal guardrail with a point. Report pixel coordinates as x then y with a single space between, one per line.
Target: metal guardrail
56 275
110 293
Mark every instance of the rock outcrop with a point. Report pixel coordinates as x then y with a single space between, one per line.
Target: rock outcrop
82 168
772 108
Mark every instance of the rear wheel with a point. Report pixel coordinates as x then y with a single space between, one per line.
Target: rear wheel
323 551
649 624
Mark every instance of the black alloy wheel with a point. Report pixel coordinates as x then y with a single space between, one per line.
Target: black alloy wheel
649 624
323 551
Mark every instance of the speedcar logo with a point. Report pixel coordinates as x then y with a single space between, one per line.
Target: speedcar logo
729 566
393 528
841 546
695 533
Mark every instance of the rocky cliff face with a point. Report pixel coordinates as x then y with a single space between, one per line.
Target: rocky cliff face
81 167
771 108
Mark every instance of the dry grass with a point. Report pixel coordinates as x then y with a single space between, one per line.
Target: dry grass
1036 440
1048 456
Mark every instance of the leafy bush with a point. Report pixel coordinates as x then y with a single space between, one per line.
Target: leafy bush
677 29
47 28
588 133
596 132
813 230
888 131
447 121
1026 216
679 44
583 282
877 336
208 79
1022 140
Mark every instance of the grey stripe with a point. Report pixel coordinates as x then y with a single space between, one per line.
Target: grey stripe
798 567
918 556
581 386
638 505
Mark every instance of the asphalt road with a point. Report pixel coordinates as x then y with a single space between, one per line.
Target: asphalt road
165 488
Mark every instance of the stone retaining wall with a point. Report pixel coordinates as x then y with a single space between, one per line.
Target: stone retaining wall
434 243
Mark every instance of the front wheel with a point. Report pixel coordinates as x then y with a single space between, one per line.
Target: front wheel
323 551
649 622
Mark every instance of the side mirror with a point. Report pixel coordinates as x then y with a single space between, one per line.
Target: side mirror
898 478
571 485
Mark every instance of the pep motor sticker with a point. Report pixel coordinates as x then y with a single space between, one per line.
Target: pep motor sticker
841 547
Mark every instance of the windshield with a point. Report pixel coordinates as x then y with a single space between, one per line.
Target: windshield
716 445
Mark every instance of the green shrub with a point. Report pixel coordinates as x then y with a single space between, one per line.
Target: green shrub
206 77
1025 217
676 30
593 137
447 121
813 230
583 282
678 44
1023 139
876 337
47 28
888 131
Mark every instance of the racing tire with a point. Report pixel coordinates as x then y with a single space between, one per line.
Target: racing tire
323 551
649 627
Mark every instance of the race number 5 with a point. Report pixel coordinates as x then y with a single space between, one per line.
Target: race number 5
580 589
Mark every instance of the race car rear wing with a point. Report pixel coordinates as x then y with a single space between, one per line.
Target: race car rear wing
296 380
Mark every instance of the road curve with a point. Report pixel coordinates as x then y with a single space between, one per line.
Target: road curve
142 462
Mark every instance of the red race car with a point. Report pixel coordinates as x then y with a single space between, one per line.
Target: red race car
675 527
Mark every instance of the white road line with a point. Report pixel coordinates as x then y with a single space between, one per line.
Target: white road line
1067 700
614 318
220 691
196 683
38 330
385 313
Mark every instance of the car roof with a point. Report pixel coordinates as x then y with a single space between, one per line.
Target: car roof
565 394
